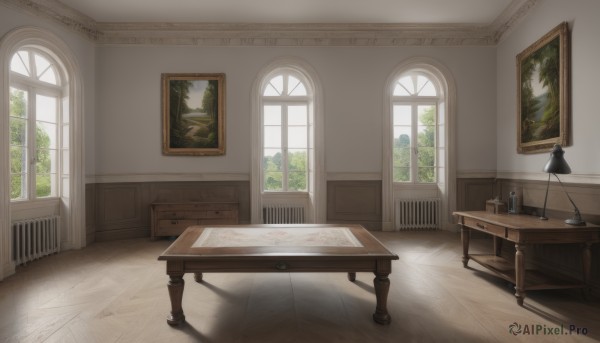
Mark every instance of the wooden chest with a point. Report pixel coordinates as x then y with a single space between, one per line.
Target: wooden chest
171 219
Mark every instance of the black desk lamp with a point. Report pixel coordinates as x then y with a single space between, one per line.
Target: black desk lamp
557 165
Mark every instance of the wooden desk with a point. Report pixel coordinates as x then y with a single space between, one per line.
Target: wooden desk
524 230
277 248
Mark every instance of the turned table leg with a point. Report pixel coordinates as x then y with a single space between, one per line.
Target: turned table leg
464 236
351 276
175 287
520 273
382 287
198 277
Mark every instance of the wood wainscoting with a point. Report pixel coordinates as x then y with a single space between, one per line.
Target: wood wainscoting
122 210
357 202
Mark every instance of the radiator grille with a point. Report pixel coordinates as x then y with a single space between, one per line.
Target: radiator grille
35 238
283 214
417 214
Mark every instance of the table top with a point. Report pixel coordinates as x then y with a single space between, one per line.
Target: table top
336 241
524 222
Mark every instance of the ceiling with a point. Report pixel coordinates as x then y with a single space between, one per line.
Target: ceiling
468 12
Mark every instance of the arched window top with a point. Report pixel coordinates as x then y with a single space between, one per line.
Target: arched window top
285 83
415 84
35 65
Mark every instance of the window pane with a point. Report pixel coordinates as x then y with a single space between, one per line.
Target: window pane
20 63
426 157
297 137
428 90
45 135
66 190
405 86
43 185
297 181
426 175
272 114
426 114
402 137
297 115
402 115
297 160
18 103
18 160
274 87
18 190
273 181
45 71
45 161
18 132
272 160
45 107
65 170
401 174
272 137
295 87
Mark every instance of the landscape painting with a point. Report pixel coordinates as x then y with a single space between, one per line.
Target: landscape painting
193 114
543 92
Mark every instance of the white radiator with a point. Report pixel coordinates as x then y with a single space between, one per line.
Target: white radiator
417 214
283 214
35 238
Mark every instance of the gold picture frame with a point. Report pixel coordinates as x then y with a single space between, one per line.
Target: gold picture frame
543 87
193 109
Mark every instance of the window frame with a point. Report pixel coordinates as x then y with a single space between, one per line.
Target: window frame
285 101
445 189
33 86
414 102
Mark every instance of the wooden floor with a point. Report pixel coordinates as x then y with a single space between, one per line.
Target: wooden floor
116 292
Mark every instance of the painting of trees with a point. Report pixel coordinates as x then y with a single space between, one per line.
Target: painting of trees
543 94
193 106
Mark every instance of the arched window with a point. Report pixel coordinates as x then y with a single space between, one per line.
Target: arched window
285 119
418 139
415 121
42 169
38 128
287 164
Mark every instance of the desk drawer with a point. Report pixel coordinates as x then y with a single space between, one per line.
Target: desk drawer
485 227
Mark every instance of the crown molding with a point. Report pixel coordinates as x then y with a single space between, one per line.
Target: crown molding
257 34
59 13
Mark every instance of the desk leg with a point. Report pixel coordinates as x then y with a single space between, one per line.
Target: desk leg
382 287
351 276
464 236
520 273
175 286
587 267
497 246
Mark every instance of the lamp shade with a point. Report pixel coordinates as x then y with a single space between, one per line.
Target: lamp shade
557 164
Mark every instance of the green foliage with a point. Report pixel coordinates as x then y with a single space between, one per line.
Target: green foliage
297 171
18 151
425 151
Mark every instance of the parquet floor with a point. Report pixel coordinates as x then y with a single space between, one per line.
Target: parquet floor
116 292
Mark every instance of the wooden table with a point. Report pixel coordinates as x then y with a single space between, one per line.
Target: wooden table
525 230
277 248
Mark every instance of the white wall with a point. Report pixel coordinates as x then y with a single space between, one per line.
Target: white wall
582 156
128 121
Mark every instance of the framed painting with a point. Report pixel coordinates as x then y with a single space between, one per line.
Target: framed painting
193 107
543 87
